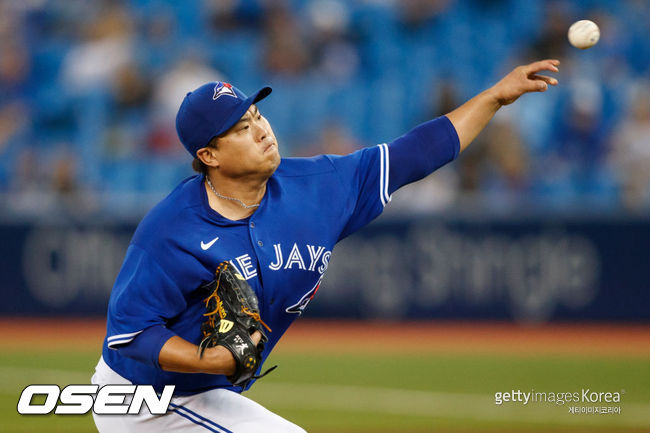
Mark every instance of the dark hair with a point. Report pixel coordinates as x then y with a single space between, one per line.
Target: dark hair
198 165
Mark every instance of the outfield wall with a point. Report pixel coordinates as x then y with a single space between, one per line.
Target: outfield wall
518 269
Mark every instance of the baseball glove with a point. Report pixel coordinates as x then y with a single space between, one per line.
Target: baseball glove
232 316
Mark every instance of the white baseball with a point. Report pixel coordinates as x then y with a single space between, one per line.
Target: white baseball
584 34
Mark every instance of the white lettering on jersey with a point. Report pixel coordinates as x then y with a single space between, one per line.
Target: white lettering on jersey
240 272
314 255
295 257
247 268
326 261
232 262
317 254
275 266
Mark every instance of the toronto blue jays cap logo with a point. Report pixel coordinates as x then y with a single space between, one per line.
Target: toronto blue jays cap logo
223 89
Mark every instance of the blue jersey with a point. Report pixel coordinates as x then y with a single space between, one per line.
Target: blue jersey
282 249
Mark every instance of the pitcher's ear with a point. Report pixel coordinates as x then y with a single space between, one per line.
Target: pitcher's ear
208 156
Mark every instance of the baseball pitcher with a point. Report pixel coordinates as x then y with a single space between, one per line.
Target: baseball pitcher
219 269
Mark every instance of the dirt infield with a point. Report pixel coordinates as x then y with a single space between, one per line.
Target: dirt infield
313 336
473 337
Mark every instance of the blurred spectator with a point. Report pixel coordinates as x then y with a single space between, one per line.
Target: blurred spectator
14 67
14 73
13 121
552 42
188 73
126 123
28 172
130 88
168 93
630 155
579 140
334 140
497 165
286 53
232 15
470 168
159 39
445 99
507 160
29 185
15 70
414 14
50 188
431 194
126 120
337 56
106 48
71 198
579 137
64 181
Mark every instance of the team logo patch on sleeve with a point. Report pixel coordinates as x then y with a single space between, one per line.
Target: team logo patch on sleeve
223 89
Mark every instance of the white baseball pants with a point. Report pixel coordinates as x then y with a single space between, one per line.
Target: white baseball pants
214 411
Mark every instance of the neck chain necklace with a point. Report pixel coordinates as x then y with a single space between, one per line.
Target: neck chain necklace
241 203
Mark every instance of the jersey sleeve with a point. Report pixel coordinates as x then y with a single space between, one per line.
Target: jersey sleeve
371 175
421 151
362 177
144 295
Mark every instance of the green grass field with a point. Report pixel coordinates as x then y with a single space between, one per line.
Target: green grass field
353 392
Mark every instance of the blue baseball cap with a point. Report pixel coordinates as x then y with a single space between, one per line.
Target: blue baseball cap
211 110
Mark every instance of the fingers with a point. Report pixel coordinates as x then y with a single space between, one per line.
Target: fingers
548 80
537 86
543 65
537 83
256 337
540 83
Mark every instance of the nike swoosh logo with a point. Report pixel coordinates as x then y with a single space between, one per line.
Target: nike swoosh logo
205 246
